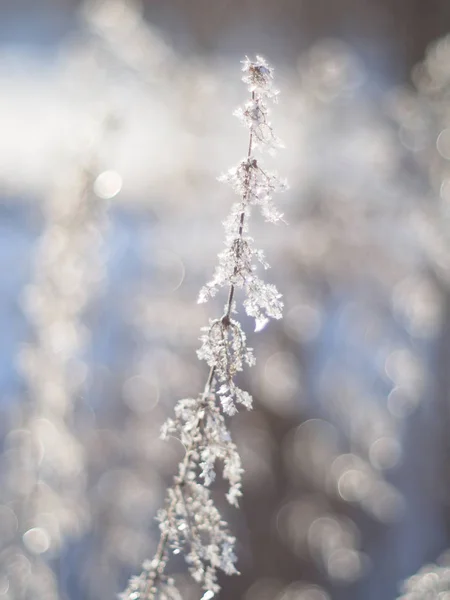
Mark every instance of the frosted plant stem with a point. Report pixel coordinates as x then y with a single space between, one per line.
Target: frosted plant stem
241 221
190 522
159 562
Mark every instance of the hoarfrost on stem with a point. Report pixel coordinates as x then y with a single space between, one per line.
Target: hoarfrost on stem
190 523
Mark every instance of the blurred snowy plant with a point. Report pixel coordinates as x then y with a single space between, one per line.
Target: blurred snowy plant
190 523
423 117
431 581
44 475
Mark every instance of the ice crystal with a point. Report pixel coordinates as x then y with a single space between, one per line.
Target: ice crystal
190 523
224 349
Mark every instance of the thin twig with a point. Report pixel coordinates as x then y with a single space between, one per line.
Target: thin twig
159 562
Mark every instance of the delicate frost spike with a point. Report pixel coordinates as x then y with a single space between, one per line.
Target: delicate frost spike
260 323
190 523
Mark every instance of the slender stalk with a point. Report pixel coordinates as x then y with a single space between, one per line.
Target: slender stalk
159 563
200 423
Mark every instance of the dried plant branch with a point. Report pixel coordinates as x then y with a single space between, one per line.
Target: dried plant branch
190 523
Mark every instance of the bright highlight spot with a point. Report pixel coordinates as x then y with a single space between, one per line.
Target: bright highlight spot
36 540
108 184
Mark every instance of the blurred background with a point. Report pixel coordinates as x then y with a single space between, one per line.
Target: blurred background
115 120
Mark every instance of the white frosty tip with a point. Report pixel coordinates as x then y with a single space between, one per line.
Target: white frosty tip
258 75
260 323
